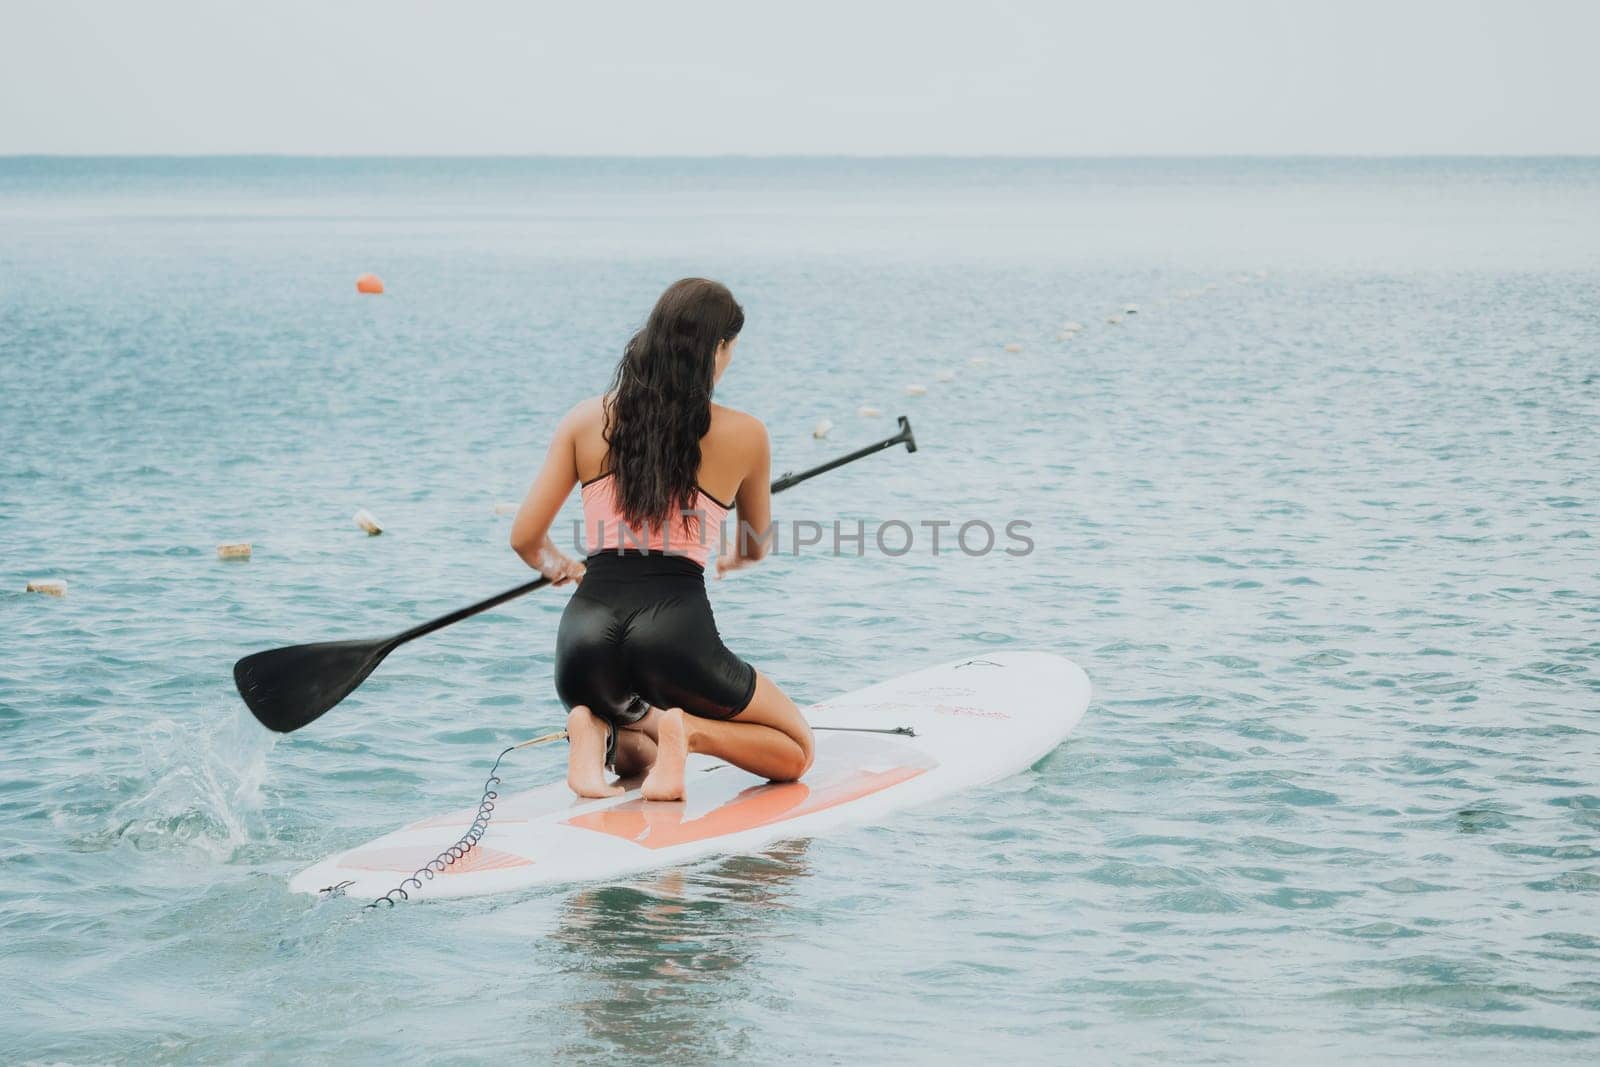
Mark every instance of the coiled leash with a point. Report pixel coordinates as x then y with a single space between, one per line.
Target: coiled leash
466 843
480 824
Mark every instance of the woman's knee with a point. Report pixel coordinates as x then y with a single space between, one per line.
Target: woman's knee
794 724
798 732
772 708
802 763
808 751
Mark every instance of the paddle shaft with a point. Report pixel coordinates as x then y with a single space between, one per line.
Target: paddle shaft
467 612
788 480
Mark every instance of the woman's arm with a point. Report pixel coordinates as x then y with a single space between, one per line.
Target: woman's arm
753 533
530 530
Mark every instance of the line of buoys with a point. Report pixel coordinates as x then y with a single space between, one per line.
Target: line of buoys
234 550
369 283
364 519
48 586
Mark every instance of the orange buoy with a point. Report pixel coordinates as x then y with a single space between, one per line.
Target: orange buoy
369 283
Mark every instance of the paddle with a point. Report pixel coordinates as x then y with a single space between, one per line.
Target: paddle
286 688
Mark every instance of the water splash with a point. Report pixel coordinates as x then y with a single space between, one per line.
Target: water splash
203 785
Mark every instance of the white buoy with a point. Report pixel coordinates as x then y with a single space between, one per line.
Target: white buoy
1113 320
1261 274
234 550
364 519
48 586
1071 327
944 375
1013 347
1065 335
979 361
1130 309
822 429
867 411
1209 287
505 507
916 390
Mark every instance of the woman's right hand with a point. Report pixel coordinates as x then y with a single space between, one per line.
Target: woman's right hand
557 566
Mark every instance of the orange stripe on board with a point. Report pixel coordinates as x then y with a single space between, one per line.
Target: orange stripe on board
661 825
409 859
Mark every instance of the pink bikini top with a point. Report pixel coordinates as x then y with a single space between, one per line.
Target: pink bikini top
695 535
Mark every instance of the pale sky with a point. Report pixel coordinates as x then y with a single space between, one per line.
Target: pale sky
680 77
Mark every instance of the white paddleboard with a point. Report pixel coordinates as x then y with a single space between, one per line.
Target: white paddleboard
976 720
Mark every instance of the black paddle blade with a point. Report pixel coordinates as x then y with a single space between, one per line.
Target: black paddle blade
286 688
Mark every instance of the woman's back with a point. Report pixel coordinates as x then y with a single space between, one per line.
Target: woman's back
732 451
724 449
639 660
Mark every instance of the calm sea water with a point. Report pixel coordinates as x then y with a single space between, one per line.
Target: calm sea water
1319 521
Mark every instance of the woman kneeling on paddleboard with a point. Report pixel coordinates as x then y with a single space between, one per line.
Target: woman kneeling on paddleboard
639 662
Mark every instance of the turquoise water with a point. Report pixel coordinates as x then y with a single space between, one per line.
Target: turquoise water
1318 521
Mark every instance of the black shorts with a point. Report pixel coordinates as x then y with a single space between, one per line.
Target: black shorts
638 632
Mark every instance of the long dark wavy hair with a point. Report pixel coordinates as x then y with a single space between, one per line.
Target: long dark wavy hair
660 401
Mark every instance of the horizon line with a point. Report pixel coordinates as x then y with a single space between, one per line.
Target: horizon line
1019 157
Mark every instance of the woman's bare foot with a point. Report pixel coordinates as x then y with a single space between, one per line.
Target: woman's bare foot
665 780
586 758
